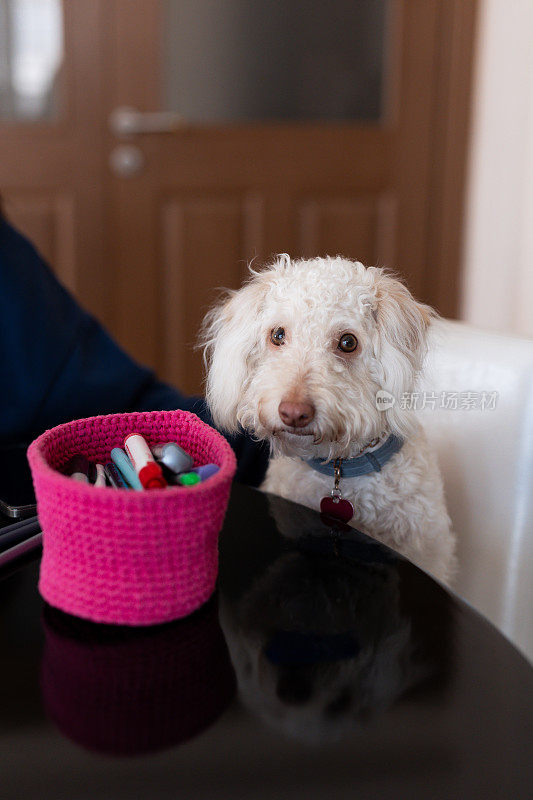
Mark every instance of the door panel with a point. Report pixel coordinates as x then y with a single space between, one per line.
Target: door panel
31 60
192 229
238 61
361 225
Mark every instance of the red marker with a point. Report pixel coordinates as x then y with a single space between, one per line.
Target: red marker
149 472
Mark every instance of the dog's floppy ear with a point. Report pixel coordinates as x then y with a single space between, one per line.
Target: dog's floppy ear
400 344
228 337
402 321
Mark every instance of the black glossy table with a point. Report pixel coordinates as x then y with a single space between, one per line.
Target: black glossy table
337 670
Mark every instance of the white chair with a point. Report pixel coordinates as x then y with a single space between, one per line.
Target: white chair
486 457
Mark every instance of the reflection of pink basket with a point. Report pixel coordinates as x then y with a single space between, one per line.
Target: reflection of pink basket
126 691
127 557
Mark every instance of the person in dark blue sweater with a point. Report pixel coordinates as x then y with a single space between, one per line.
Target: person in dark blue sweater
58 363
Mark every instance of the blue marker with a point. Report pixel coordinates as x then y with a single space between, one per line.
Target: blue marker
126 469
206 471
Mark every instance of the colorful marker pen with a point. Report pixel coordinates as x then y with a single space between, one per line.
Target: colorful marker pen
100 475
173 457
149 472
125 467
206 471
188 479
114 476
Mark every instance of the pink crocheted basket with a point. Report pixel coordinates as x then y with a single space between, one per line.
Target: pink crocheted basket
122 556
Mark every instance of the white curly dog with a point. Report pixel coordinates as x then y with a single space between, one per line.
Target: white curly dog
301 357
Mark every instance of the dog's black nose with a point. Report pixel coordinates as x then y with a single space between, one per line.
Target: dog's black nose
296 415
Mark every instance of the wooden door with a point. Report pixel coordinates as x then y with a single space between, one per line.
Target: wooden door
196 203
142 226
52 127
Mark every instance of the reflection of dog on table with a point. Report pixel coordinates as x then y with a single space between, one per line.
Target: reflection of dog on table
323 637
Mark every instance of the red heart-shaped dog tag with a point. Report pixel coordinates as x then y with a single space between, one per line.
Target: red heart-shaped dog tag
337 507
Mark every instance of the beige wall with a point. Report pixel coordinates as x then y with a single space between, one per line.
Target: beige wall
498 258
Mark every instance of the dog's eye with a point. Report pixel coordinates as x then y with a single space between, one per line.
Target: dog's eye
277 336
347 343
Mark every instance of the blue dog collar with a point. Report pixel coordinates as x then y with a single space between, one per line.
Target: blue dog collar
360 465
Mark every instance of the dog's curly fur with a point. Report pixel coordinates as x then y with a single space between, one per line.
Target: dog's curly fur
316 301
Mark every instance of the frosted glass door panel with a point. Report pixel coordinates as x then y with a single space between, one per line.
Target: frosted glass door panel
245 60
31 55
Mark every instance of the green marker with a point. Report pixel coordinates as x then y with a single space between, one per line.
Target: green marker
188 478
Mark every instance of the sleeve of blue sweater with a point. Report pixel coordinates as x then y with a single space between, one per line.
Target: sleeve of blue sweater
58 363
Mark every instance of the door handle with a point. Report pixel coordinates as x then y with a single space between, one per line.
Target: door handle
124 121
